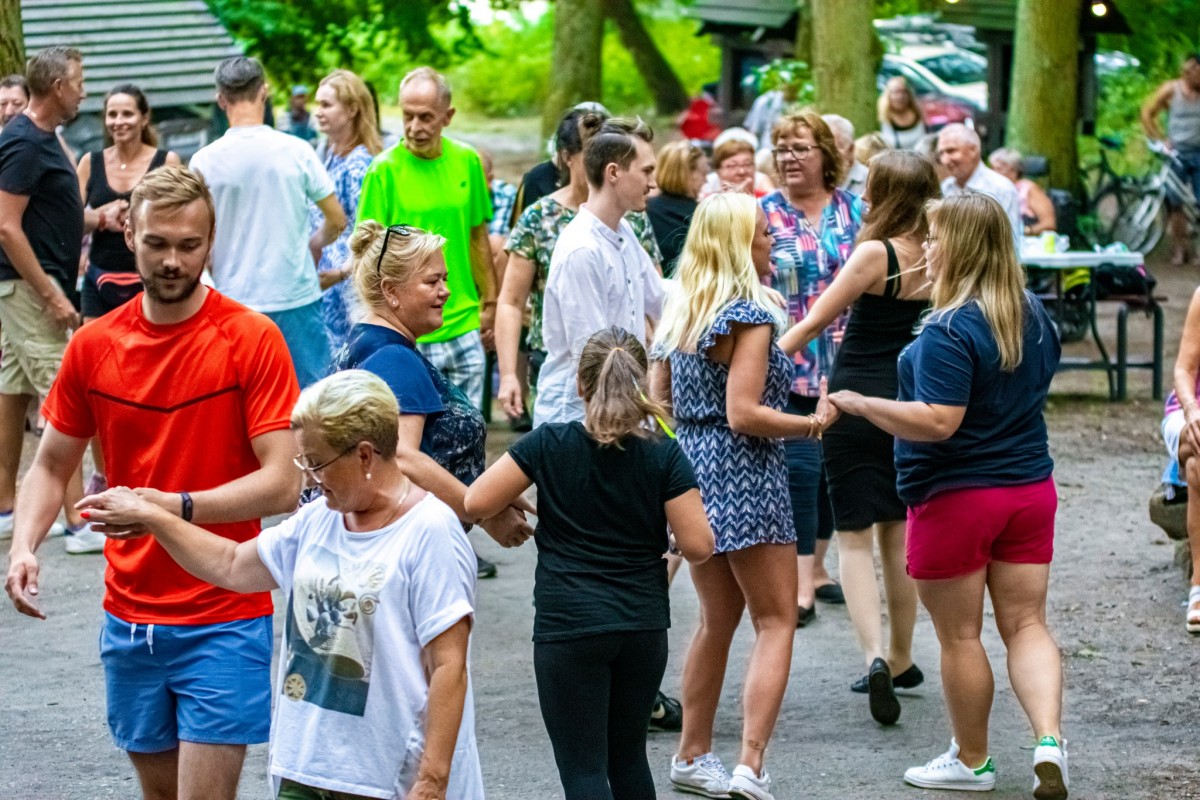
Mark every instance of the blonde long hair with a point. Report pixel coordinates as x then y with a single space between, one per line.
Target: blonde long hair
353 93
978 263
716 267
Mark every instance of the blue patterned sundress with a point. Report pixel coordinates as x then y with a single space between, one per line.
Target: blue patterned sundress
743 479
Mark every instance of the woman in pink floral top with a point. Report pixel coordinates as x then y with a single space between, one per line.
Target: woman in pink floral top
814 225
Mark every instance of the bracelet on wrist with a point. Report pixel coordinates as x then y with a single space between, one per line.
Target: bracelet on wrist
186 509
814 430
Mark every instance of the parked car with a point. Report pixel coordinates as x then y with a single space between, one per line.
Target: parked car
940 109
956 72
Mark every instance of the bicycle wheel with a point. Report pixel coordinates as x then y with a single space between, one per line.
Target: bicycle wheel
1107 209
1140 226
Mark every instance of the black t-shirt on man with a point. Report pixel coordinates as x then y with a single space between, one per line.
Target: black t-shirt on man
33 164
602 530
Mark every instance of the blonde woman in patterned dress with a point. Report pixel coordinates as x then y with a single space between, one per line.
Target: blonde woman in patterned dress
728 383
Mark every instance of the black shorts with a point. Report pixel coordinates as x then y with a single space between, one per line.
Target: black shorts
105 291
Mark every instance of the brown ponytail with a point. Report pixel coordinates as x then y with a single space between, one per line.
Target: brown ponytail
612 379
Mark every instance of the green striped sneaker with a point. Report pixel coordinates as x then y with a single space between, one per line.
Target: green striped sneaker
947 772
1050 780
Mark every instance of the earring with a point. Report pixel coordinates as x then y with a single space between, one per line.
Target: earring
368 476
395 303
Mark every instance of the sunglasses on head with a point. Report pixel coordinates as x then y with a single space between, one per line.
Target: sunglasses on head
399 230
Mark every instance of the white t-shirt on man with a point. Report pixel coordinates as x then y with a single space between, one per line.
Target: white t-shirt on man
261 181
361 607
598 278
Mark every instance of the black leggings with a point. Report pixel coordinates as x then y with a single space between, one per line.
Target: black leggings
596 694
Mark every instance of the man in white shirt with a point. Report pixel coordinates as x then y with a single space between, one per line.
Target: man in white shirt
261 180
599 274
960 152
854 180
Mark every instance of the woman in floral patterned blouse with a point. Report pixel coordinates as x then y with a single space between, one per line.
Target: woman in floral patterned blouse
530 245
346 115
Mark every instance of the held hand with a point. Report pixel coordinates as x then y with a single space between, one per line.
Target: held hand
114 215
775 297
509 528
120 512
847 402
1191 434
22 584
510 396
62 314
330 278
827 412
487 325
425 789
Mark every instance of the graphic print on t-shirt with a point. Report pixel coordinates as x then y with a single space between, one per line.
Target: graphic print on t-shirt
331 631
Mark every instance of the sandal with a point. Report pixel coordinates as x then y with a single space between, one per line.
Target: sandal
1193 611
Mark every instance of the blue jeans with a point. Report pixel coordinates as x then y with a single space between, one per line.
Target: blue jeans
811 509
1189 172
307 339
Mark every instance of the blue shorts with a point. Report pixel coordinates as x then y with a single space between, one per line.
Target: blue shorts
1187 169
209 684
307 340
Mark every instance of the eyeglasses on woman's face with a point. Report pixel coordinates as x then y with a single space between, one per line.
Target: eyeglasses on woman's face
314 473
399 230
799 152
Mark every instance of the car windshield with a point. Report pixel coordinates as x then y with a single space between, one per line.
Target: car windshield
891 68
956 68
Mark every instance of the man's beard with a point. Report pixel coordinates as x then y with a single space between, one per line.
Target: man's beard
154 290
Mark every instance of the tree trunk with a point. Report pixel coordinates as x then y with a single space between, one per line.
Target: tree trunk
575 64
664 84
844 60
12 39
1043 108
804 32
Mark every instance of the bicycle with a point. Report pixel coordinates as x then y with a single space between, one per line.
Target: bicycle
1107 194
1143 221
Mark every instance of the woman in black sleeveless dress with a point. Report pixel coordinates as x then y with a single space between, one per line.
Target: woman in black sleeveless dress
106 180
885 281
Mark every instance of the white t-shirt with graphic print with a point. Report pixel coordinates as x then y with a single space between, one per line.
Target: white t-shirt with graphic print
360 609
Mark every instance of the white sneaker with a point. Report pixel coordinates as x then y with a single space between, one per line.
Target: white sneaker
747 785
57 529
705 775
85 540
947 772
6 525
1050 780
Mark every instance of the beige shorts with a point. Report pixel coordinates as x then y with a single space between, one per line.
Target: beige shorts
32 347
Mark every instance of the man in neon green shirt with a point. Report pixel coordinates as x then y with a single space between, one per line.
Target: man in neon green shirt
435 183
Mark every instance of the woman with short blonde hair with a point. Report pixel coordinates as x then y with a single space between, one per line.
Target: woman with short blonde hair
728 382
973 466
379 580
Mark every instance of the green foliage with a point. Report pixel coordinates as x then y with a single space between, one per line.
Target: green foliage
510 75
1163 32
793 78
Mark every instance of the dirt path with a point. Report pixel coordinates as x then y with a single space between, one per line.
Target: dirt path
1115 607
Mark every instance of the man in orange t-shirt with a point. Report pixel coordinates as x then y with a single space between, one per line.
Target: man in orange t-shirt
189 393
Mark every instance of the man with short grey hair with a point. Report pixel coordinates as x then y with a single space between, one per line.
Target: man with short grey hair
855 178
261 181
960 152
436 183
41 230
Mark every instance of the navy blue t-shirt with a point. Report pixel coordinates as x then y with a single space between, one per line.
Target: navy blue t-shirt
1002 440
601 530
454 431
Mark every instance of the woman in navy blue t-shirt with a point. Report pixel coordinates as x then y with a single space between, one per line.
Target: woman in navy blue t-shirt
974 468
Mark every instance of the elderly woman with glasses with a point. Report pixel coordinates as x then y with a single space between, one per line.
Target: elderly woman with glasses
380 581
400 277
814 226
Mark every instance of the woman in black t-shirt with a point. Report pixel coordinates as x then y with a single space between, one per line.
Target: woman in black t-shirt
607 489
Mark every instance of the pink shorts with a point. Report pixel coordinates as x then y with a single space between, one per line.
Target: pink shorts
960 531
